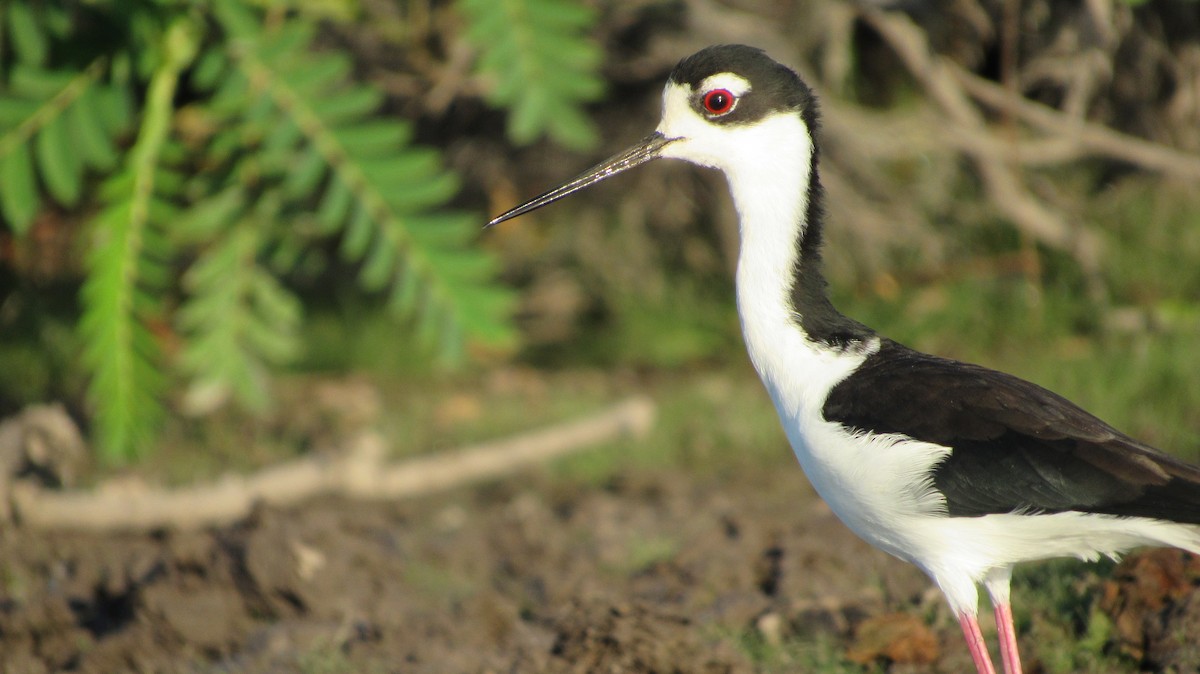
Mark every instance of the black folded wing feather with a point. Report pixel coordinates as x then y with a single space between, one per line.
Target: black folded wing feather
1015 447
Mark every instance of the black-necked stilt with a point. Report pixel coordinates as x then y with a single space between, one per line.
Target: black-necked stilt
958 469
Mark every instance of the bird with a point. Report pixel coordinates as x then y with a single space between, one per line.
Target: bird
961 470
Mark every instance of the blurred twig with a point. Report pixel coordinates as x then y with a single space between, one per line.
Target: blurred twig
361 473
1086 137
969 130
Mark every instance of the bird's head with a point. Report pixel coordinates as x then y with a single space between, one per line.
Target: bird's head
728 107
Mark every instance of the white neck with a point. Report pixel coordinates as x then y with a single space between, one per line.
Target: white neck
772 201
767 164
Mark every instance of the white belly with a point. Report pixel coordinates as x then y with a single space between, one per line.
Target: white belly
874 484
879 486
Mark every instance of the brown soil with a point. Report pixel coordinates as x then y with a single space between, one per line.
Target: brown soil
647 573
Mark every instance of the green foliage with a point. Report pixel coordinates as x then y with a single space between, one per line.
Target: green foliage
241 321
231 151
287 119
127 269
818 652
1056 603
53 125
539 66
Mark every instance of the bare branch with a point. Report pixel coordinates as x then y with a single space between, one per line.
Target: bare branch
1093 138
361 473
967 127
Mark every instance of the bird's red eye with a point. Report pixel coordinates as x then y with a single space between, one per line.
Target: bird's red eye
719 101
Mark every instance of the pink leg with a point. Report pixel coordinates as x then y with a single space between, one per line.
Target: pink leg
979 651
1008 639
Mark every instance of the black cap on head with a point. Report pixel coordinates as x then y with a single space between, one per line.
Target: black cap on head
774 86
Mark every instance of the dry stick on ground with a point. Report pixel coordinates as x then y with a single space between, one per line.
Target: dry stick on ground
361 473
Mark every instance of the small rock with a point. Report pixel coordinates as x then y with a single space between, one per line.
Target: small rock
770 626
309 560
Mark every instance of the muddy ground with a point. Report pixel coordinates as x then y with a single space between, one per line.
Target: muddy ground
660 572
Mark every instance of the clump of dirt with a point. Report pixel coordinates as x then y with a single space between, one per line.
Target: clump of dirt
646 573
894 637
598 636
1153 601
643 574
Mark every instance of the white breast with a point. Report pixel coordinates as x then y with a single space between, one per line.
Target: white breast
873 484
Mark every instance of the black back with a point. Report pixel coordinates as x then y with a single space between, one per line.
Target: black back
1016 447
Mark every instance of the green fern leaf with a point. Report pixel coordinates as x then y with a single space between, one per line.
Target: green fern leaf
114 108
539 65
305 178
48 127
335 205
45 84
120 351
280 141
210 67
329 71
350 105
18 192
377 268
359 232
207 219
93 142
274 332
370 185
405 293
365 137
127 266
28 38
14 111
285 41
62 172
238 320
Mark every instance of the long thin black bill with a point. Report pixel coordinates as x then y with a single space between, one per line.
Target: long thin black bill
645 150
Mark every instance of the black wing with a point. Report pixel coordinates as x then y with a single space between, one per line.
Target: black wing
1015 445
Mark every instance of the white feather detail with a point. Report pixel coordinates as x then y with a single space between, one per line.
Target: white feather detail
734 84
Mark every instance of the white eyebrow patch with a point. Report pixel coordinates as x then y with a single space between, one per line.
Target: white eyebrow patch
734 84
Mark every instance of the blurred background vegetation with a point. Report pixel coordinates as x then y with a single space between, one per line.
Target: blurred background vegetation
206 205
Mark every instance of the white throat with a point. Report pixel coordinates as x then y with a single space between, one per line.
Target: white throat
772 202
768 167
